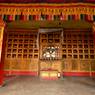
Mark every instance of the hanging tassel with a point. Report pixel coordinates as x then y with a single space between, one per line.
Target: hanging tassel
46 17
56 17
69 17
26 17
73 17
61 16
89 18
21 16
0 17
30 17
17 17
10 18
5 17
43 17
65 17
82 16
86 17
50 17
36 17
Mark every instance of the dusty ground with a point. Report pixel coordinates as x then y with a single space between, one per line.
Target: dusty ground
27 85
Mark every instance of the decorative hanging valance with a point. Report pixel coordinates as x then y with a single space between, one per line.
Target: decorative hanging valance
47 11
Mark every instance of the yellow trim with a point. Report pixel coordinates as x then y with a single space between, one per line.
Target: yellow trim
47 9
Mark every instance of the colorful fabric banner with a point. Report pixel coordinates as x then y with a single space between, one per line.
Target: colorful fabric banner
63 17
50 17
0 17
26 17
66 17
21 17
77 17
44 17
17 17
30 17
69 17
10 17
89 17
73 17
81 16
5 17
56 17
35 17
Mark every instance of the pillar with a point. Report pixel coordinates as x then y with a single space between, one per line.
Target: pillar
2 25
93 30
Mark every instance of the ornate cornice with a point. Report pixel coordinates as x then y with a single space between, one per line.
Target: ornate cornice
47 9
53 9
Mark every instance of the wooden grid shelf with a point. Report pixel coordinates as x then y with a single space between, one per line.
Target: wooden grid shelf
78 50
80 44
75 50
20 47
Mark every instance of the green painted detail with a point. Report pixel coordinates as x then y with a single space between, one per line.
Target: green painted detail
17 17
82 16
69 17
5 18
56 17
30 17
49 24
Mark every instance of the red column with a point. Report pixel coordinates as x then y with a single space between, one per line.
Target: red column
93 73
2 25
93 29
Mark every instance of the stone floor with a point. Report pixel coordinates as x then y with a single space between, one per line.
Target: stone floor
27 85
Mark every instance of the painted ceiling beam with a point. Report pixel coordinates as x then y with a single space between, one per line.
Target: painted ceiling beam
46 1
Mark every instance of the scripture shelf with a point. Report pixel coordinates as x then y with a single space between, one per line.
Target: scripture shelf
21 45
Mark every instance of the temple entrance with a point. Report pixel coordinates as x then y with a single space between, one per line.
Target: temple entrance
49 51
47 40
